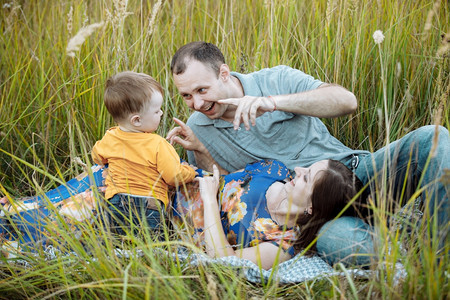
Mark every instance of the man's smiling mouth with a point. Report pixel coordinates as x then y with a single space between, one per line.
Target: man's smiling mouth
208 108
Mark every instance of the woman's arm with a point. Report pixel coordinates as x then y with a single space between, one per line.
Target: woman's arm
265 254
215 240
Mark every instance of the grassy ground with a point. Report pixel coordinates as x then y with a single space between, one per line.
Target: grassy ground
51 112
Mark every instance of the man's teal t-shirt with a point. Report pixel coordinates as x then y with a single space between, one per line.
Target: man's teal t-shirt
295 140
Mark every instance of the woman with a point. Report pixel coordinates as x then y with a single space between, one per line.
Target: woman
261 208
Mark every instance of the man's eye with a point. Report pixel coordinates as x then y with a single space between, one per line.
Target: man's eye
186 96
202 90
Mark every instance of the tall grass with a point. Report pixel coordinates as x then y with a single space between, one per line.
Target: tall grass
51 112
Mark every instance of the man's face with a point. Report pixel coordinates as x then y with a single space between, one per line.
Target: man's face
201 88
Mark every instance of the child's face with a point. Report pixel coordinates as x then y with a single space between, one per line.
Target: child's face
151 115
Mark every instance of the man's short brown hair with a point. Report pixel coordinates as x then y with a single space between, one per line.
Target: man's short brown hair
203 52
128 92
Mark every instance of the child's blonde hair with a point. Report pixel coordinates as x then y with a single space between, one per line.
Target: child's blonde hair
128 92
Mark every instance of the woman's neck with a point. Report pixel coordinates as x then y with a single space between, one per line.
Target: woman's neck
281 210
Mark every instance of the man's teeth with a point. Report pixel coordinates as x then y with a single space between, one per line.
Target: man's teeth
209 107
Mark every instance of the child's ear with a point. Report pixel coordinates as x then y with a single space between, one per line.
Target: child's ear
135 120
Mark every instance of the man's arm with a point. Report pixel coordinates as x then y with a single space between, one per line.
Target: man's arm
205 161
327 101
184 136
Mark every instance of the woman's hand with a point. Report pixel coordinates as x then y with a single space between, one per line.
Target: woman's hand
209 186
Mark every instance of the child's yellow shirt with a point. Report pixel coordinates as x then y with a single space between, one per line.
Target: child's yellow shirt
142 164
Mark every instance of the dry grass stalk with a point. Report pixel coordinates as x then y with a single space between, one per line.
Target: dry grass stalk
70 21
12 14
331 8
85 16
212 287
120 12
429 22
437 122
444 50
353 6
75 42
151 24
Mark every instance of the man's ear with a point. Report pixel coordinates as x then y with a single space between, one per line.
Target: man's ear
224 72
135 120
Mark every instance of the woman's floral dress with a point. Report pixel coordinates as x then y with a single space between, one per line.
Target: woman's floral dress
243 207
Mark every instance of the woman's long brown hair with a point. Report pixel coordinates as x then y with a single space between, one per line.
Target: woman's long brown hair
332 191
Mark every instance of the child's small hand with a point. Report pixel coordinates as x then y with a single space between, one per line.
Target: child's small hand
4 200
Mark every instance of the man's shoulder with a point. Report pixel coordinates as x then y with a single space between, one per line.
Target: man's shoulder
282 69
280 73
268 70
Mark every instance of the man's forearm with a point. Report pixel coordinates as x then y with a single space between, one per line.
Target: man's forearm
205 161
327 101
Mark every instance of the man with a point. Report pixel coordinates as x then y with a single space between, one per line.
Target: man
274 113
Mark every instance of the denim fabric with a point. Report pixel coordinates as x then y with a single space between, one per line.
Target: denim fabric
126 212
407 157
347 240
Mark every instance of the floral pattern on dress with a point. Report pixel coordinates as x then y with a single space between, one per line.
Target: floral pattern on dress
231 203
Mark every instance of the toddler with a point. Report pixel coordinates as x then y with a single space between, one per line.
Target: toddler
141 164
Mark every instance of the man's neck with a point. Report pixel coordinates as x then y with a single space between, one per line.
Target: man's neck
238 85
236 92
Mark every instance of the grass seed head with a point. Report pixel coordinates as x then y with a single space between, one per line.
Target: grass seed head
70 20
76 42
378 37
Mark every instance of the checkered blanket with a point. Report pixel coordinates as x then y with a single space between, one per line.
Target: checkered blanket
296 270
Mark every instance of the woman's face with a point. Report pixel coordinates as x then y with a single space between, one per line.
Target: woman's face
300 188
